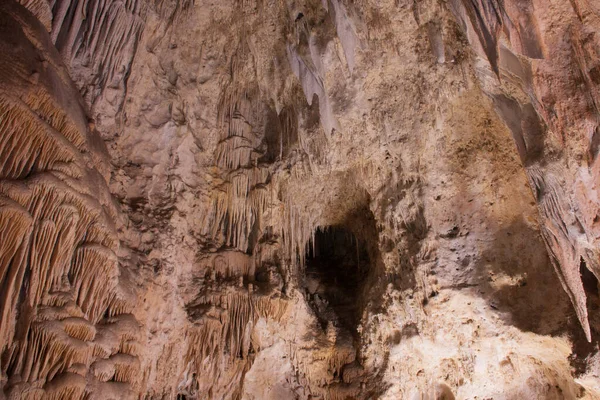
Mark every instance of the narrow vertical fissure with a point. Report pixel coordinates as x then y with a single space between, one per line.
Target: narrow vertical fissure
590 285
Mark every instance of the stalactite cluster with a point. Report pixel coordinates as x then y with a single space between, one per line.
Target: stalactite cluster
299 199
97 39
59 271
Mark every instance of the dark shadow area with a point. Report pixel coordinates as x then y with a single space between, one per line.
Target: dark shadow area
281 134
525 126
518 279
582 349
337 266
590 285
341 278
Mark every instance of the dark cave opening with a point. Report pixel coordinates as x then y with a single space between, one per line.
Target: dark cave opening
582 349
337 268
590 285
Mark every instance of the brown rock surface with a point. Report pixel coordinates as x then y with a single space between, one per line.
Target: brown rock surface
299 199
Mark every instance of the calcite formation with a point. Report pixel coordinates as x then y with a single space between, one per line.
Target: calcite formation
67 329
299 199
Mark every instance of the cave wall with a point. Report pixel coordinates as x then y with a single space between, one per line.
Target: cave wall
67 328
545 89
162 187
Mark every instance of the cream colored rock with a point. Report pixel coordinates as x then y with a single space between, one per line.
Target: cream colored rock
306 199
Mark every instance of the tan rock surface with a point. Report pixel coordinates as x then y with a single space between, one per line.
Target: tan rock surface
299 199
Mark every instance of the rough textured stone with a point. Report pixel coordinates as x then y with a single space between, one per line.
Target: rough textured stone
299 199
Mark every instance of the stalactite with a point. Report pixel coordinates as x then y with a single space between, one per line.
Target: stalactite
49 350
297 231
29 144
122 300
52 110
15 223
565 252
94 272
118 367
107 342
268 307
65 386
222 335
234 152
228 264
239 205
130 347
58 269
100 34
312 84
79 328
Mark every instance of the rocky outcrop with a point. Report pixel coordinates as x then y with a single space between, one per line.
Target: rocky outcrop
546 92
67 329
299 199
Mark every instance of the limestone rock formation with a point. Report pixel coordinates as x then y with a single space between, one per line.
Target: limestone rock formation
299 199
67 329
